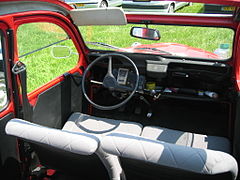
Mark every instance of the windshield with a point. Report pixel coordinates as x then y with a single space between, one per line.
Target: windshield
182 41
177 41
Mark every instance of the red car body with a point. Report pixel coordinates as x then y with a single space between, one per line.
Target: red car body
11 20
173 49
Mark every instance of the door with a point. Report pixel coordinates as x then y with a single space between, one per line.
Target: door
51 58
9 157
54 90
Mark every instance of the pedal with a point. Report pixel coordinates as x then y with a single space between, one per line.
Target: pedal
149 114
39 173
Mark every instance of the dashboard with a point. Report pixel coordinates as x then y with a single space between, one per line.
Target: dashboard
179 78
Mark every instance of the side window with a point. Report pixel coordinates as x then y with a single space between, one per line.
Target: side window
46 50
3 91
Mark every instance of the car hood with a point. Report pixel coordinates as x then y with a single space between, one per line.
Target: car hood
173 49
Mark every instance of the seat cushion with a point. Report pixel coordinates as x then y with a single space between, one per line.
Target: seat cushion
100 127
176 157
79 122
187 138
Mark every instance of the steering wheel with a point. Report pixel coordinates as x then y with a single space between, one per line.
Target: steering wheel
110 81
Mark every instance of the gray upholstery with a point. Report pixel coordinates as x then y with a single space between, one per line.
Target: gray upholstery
187 138
79 143
100 127
93 16
110 139
202 161
79 122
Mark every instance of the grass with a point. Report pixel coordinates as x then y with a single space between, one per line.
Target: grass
191 36
43 67
194 8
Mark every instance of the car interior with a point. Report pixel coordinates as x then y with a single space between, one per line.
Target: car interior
133 116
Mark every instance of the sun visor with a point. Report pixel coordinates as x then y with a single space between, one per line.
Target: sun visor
98 16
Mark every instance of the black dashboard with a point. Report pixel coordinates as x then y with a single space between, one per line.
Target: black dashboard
173 77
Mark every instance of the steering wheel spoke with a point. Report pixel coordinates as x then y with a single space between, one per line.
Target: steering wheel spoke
96 82
109 80
110 66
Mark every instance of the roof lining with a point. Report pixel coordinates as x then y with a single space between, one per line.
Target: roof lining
24 6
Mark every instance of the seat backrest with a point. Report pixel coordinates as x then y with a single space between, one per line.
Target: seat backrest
68 152
174 157
79 143
75 153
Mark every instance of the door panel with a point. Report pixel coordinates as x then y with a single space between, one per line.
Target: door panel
54 99
9 159
56 104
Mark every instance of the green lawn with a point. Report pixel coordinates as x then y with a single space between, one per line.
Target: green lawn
191 36
194 8
204 38
43 67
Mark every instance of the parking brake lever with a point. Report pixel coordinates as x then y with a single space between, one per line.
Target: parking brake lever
149 114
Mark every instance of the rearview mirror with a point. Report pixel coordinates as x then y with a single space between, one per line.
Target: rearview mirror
145 33
60 52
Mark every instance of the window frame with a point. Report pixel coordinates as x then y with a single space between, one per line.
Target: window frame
3 45
70 29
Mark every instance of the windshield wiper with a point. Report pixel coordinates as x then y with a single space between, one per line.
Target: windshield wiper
103 45
156 50
100 44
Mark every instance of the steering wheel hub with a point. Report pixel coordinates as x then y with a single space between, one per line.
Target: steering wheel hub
110 83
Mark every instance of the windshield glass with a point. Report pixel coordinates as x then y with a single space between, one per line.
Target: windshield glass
178 41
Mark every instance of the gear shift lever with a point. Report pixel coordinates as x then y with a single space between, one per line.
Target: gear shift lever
149 114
